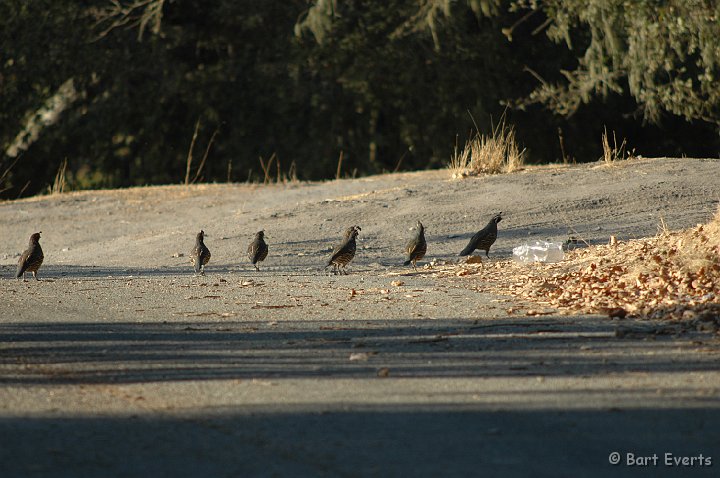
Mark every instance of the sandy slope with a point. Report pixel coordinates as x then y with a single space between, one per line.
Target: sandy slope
144 227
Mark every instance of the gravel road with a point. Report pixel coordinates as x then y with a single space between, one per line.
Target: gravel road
122 362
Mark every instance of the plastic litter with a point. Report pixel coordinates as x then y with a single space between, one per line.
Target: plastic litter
539 251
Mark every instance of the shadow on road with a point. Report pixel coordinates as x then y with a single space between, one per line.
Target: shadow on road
128 352
449 435
379 441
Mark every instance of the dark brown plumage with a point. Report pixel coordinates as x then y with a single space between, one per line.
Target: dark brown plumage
257 250
484 238
345 252
31 259
200 254
417 247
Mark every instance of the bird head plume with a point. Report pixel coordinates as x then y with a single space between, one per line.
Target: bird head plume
352 229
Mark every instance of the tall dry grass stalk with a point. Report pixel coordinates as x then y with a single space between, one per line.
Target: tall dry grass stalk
339 165
265 165
189 160
280 176
205 156
60 182
5 173
662 228
496 153
616 152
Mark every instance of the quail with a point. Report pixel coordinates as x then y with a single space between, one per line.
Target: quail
31 259
200 254
257 250
417 247
484 238
344 253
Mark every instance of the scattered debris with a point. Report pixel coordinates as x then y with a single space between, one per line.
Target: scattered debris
429 340
673 276
284 306
359 356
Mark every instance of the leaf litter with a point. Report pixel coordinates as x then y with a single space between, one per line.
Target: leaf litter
674 276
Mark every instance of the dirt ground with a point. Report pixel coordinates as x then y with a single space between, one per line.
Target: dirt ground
121 360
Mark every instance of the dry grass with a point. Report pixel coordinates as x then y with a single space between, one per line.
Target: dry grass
60 183
496 153
280 176
616 152
189 160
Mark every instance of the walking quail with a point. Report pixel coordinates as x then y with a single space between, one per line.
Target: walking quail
31 259
417 247
257 250
344 253
200 254
484 238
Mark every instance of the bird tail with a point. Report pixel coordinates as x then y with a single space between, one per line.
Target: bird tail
407 262
466 251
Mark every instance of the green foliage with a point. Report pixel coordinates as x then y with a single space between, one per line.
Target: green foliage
405 99
666 54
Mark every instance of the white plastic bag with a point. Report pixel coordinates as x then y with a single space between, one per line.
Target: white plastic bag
539 251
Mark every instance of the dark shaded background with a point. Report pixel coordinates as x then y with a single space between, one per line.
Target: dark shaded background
382 88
